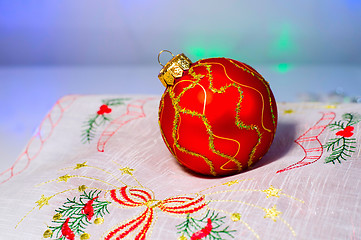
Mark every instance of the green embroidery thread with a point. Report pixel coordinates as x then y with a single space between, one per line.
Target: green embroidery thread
342 146
208 227
77 214
100 118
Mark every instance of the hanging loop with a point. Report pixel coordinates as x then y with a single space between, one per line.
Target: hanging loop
161 53
174 68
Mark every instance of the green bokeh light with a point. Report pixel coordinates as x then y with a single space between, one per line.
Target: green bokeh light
283 67
208 50
197 52
283 47
284 42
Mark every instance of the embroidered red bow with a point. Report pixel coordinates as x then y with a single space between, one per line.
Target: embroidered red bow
137 197
347 132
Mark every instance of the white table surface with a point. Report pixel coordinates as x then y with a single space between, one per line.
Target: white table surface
28 93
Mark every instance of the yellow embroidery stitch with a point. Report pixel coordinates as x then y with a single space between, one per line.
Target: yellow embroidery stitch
330 106
84 236
288 111
64 178
230 183
272 213
226 183
272 192
127 170
43 201
84 164
48 233
80 165
99 221
132 175
182 238
144 197
57 216
40 203
235 217
82 188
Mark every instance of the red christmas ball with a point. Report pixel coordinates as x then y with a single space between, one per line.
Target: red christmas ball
218 116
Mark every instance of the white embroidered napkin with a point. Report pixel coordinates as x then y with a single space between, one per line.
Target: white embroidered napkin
97 168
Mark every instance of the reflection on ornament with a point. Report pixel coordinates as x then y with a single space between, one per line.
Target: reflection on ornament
219 117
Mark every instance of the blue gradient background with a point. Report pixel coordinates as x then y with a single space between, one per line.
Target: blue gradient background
82 32
50 48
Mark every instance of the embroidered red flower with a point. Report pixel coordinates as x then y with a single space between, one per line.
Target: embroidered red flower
104 109
66 231
88 209
347 132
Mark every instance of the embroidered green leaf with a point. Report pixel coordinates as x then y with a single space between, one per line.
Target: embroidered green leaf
114 101
80 213
343 145
91 125
208 227
99 119
341 149
351 118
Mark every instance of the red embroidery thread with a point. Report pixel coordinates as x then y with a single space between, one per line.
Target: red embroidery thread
88 208
213 227
310 143
203 232
66 231
347 132
134 111
99 119
343 145
75 215
33 149
138 197
104 109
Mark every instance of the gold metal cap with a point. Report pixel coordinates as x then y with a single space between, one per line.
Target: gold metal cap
173 69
